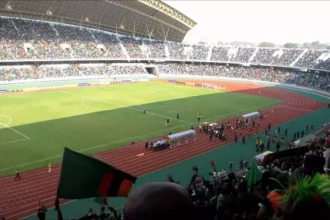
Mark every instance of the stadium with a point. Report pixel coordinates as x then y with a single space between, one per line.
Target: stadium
114 81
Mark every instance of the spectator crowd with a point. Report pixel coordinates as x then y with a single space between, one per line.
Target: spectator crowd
293 184
59 71
314 80
27 39
320 81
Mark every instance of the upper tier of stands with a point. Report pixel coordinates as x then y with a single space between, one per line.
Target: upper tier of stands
26 39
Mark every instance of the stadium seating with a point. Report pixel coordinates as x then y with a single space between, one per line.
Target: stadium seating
27 39
18 73
233 194
318 81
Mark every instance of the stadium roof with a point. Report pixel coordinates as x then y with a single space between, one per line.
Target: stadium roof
140 18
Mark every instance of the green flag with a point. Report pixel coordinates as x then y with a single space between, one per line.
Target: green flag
85 177
254 174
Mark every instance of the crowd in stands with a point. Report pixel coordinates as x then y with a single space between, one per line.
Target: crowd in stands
156 49
243 55
27 39
176 51
53 72
291 185
320 81
133 47
199 52
264 56
309 59
311 80
285 190
220 54
324 64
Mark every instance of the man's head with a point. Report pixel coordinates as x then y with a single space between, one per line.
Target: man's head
159 200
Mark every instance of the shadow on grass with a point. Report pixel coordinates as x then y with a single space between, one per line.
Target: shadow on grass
106 129
182 171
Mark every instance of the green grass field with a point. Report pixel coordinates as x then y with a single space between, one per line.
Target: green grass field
34 127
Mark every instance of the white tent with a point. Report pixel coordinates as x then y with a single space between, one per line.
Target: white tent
251 116
182 137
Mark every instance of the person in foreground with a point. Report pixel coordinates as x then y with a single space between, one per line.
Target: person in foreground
309 198
159 200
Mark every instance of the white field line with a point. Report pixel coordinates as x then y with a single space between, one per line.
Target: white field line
7 126
10 119
86 106
17 132
124 106
11 142
95 147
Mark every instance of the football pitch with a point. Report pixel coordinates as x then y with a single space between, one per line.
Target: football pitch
34 127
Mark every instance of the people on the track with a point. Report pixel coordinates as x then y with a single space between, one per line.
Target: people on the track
49 167
18 176
199 115
231 165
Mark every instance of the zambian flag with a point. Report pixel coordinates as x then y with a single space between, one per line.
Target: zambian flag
254 174
85 177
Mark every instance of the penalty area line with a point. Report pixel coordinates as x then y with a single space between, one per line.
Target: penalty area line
14 130
15 141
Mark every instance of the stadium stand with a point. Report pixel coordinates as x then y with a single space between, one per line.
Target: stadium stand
28 39
199 52
220 54
290 76
156 49
176 51
313 80
264 56
243 55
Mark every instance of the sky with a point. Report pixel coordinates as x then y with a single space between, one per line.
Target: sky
257 21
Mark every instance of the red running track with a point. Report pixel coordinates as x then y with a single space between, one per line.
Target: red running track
20 198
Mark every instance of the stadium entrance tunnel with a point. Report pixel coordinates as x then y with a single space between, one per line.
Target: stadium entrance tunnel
152 70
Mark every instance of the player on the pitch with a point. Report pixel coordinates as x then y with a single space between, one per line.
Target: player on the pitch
167 122
199 115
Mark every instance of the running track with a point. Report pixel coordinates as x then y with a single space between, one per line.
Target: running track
20 198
